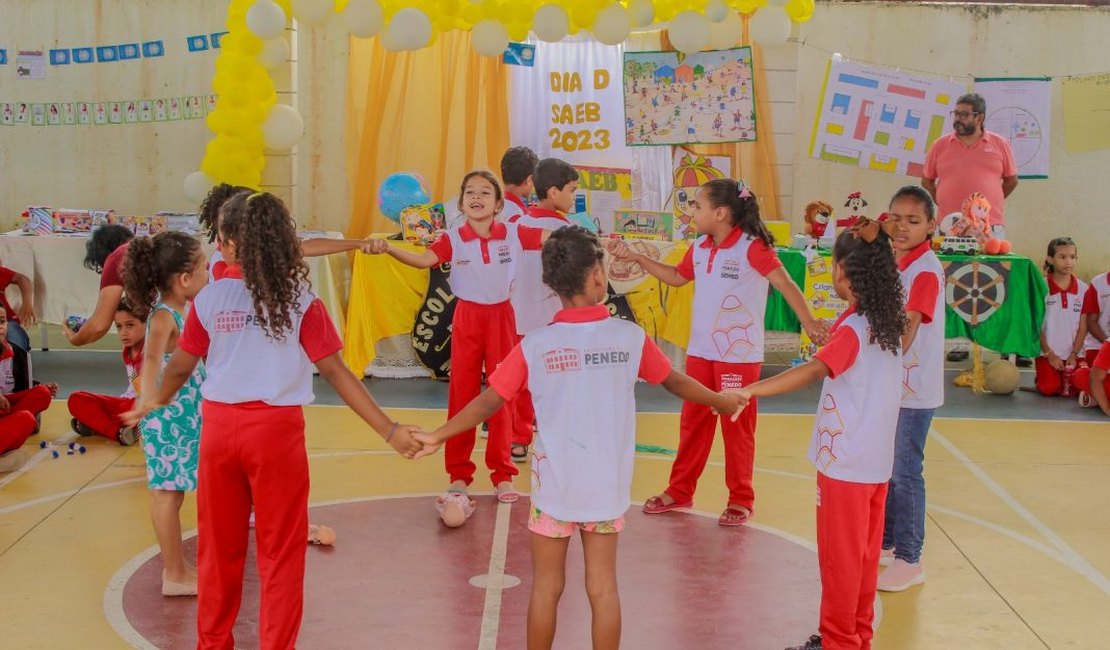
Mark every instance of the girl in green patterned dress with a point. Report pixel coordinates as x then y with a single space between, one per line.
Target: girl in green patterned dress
161 275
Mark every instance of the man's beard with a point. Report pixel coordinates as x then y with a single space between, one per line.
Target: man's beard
964 129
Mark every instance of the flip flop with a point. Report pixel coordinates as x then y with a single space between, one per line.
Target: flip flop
734 516
655 505
506 493
519 452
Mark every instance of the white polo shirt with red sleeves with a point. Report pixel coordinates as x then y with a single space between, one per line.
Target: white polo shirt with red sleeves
534 303
961 170
730 296
243 363
483 268
853 435
923 363
1097 301
217 266
513 209
582 370
1063 308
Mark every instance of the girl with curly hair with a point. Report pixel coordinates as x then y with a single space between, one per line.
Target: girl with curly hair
853 435
161 274
260 330
732 264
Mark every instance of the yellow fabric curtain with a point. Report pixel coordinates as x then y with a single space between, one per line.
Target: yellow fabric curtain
440 112
752 161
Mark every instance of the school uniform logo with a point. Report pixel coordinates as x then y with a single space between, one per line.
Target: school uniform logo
234 320
562 360
605 357
504 254
730 269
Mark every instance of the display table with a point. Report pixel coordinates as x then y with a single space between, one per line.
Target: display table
1002 295
63 286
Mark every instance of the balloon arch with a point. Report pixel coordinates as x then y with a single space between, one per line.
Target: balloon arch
248 121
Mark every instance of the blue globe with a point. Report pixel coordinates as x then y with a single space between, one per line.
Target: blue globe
399 191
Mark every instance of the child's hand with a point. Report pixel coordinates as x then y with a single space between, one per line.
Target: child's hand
68 332
1054 361
620 250
138 411
1073 361
375 246
27 314
732 402
5 405
430 442
403 442
53 388
818 331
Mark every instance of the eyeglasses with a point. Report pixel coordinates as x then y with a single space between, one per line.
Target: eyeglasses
963 115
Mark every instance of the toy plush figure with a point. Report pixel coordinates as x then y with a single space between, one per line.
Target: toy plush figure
817 217
975 222
855 204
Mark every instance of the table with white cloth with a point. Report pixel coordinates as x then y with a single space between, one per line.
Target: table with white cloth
63 286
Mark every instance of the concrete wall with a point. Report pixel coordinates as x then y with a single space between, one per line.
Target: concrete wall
964 41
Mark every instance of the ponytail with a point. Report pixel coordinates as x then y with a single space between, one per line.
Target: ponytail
742 206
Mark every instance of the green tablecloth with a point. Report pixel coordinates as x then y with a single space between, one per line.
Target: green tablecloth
995 300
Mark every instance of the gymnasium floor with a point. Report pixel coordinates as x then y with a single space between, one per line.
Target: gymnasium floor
1016 555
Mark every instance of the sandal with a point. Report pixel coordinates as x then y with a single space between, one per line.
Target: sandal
734 516
506 493
519 452
656 505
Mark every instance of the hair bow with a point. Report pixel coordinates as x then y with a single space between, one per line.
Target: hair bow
744 191
865 229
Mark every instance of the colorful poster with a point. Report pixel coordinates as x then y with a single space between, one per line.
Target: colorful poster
601 191
643 224
671 98
1020 110
690 171
821 298
881 118
30 64
1086 107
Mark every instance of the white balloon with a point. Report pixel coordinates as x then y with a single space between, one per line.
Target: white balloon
363 18
643 12
770 27
613 25
489 38
689 32
283 127
716 10
197 186
727 33
312 12
266 19
551 23
274 52
410 29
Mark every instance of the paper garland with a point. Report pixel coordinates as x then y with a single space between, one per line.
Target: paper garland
132 111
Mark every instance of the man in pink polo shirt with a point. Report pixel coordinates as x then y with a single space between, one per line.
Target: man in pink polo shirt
970 159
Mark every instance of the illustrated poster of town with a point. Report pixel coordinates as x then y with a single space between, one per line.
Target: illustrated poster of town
881 118
671 98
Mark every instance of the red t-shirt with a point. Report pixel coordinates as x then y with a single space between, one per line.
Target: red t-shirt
6 277
111 275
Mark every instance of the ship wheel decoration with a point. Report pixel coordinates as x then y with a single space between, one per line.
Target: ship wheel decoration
975 290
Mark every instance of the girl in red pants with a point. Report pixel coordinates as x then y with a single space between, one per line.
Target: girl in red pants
18 409
1064 332
731 265
483 254
854 434
95 414
261 330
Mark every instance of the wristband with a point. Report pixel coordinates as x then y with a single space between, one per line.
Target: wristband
392 430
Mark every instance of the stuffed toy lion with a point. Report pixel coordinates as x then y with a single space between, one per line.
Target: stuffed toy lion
818 215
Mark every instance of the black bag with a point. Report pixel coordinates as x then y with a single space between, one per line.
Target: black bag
431 331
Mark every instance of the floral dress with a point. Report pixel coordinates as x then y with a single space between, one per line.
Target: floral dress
171 435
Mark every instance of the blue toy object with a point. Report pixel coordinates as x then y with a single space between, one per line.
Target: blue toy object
399 191
74 323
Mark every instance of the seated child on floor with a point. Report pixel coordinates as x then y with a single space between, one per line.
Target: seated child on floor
20 404
95 414
25 317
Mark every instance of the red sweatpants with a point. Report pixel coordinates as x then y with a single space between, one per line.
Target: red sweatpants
697 427
251 453
849 541
481 335
1049 380
99 412
524 415
1082 381
19 422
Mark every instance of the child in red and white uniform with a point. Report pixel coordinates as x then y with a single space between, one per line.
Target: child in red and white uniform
19 410
1064 332
581 472
1096 310
483 254
518 167
732 264
854 433
100 415
912 217
534 303
1093 384
25 317
260 330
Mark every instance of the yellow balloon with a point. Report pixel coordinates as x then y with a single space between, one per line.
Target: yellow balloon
746 6
800 10
583 14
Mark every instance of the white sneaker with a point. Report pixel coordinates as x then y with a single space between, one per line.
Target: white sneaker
901 575
1085 400
886 558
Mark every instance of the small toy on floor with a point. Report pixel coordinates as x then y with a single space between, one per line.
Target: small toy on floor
455 508
321 535
71 449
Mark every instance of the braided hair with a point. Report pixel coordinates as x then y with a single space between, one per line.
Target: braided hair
269 252
568 257
876 283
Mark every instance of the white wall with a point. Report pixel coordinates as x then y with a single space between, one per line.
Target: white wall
964 41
